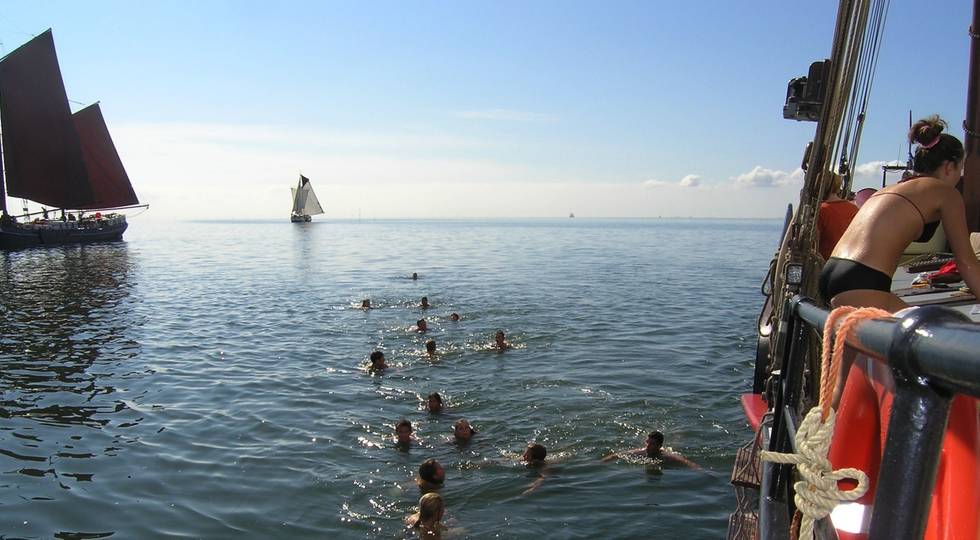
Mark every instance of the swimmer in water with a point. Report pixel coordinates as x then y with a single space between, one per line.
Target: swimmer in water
434 402
366 303
430 347
534 456
654 449
431 476
421 326
415 275
499 342
425 302
454 316
403 433
377 361
428 520
462 431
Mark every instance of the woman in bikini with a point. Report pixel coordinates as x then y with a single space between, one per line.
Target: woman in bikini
859 270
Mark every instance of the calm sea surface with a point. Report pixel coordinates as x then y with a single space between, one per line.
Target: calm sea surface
205 380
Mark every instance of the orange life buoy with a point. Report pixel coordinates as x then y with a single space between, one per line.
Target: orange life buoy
859 441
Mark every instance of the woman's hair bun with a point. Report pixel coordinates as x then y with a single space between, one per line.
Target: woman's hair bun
926 130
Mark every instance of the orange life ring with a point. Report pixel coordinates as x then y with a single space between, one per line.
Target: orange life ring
859 441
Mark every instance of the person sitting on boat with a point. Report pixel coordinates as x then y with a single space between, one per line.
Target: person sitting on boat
462 431
377 361
428 520
431 476
403 433
430 347
434 402
654 449
833 218
859 270
5 219
421 326
499 341
425 302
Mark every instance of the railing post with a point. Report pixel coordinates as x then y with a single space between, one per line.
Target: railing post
915 436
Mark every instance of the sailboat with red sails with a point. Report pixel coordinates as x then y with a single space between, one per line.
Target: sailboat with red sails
64 161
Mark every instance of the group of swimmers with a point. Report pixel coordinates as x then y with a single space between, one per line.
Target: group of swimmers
427 521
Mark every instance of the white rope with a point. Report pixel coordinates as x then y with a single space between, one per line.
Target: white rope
817 493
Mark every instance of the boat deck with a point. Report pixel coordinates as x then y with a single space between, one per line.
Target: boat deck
947 296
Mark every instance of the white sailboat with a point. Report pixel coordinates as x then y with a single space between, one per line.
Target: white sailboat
305 203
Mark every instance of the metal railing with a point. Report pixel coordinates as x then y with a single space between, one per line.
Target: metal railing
934 354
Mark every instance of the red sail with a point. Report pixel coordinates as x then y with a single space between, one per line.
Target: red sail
109 181
43 158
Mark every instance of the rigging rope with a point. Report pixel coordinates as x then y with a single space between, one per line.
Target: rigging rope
816 492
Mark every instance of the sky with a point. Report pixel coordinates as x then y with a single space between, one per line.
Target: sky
469 110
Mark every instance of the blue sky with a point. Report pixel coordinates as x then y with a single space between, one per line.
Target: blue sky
464 109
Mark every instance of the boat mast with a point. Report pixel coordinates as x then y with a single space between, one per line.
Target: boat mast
3 193
971 128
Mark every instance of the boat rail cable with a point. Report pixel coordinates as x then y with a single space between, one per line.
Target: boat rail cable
866 67
817 492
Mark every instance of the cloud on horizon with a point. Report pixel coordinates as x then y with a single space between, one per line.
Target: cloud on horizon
761 177
689 181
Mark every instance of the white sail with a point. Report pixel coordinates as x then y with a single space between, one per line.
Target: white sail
311 205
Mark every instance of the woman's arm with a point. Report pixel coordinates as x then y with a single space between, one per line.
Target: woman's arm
953 215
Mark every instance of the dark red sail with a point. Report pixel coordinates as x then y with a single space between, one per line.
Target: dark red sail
107 177
43 158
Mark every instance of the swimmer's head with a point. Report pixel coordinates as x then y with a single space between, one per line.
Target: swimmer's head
499 337
655 442
463 431
403 432
366 303
535 453
430 346
454 317
434 402
432 472
415 275
377 359
422 326
425 301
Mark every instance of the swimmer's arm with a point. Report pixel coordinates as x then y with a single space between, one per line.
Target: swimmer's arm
633 452
534 485
679 460
953 216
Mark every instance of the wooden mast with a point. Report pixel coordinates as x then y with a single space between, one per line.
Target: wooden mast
971 128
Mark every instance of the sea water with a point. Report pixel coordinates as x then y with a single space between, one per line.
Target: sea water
206 379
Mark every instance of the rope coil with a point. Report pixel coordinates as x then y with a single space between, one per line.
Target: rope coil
816 492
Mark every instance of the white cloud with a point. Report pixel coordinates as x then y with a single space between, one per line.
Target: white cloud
869 174
768 178
691 180
506 115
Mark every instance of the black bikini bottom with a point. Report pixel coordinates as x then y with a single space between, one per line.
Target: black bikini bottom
840 275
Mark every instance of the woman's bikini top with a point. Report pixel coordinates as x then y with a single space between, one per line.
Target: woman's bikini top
928 229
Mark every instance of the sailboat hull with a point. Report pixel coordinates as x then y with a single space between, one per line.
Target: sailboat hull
300 219
22 235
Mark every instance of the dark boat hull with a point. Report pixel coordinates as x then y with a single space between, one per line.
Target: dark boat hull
29 235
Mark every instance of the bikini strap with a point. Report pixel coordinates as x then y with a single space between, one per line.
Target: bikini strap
921 216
